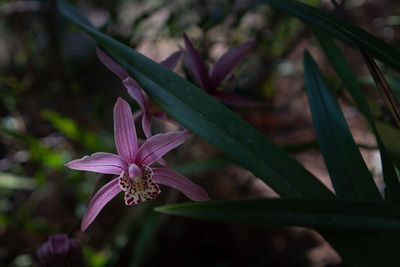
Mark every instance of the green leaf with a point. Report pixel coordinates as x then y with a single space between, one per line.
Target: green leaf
340 29
208 164
342 222
342 68
349 174
209 119
70 128
347 169
319 214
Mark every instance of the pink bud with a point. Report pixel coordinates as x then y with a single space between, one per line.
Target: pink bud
59 250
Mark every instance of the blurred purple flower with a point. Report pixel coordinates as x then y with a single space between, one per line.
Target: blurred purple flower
59 250
148 108
136 178
210 80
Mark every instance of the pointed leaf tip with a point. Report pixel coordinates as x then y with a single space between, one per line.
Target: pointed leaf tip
347 169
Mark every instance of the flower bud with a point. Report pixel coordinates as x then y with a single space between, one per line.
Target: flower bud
59 250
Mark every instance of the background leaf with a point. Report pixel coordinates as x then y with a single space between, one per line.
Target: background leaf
12 181
340 29
342 68
349 174
208 164
320 214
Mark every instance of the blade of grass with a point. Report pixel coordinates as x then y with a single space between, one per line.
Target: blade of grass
343 223
349 174
319 214
366 188
342 68
383 86
340 29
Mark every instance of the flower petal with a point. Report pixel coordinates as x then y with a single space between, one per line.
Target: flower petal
236 100
54 251
124 131
146 124
196 65
162 116
172 179
99 162
102 197
155 147
111 64
171 61
162 162
227 62
137 114
135 91
45 254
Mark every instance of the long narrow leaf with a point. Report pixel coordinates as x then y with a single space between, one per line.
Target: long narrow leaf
349 174
340 29
209 119
319 214
391 101
212 163
342 222
342 68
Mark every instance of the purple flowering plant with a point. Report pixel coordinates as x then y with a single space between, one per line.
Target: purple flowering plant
136 177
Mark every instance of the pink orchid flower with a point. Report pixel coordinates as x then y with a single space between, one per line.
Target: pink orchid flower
132 165
148 108
210 80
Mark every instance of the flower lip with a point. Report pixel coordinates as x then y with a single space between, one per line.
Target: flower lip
139 189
